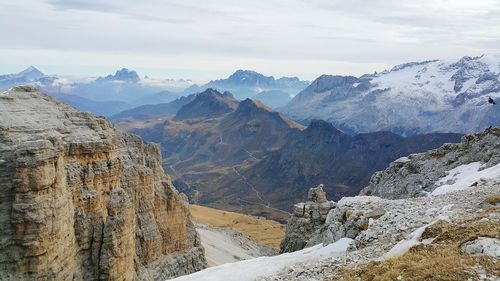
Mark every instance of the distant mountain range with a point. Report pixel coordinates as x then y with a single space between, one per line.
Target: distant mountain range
103 95
243 156
411 98
148 111
111 94
30 74
247 84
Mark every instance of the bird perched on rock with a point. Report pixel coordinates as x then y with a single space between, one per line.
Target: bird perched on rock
490 100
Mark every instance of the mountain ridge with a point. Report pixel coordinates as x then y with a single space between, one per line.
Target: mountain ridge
252 159
411 98
248 83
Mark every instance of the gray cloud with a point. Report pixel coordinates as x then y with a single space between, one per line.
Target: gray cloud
297 37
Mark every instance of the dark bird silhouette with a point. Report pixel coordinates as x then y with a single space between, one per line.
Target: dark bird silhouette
490 100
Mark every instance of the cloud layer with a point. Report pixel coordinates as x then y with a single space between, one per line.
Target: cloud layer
207 39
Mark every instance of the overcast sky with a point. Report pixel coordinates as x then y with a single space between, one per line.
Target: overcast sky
208 39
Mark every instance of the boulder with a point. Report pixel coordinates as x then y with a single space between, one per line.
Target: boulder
307 218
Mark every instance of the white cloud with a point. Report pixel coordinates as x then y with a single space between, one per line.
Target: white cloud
209 38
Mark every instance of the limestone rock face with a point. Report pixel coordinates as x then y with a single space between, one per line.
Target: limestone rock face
483 246
417 174
306 219
80 200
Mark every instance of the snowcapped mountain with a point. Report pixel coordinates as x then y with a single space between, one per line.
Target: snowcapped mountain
247 83
411 98
30 74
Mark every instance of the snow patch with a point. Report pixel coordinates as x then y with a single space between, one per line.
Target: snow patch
402 160
462 177
413 239
265 266
404 245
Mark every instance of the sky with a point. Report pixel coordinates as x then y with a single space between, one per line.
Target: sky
208 39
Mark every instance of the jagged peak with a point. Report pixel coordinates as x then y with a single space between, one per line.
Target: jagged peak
208 103
123 74
411 64
210 92
31 70
252 108
215 94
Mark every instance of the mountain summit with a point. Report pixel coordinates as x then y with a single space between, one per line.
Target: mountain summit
123 74
31 73
248 77
248 83
207 104
411 98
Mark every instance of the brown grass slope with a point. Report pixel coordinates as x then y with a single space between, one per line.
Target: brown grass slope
263 231
442 260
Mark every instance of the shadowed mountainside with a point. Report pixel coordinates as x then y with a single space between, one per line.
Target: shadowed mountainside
247 158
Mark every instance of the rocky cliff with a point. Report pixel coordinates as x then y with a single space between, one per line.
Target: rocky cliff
418 174
448 230
80 200
307 218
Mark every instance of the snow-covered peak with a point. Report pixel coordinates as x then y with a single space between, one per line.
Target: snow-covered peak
411 98
31 72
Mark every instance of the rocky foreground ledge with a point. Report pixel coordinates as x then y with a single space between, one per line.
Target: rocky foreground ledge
80 200
445 202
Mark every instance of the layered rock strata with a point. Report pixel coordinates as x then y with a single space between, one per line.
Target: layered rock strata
306 219
80 200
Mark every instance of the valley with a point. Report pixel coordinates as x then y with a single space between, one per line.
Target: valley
250 140
261 230
244 157
230 237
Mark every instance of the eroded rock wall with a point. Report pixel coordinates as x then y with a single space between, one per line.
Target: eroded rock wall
80 200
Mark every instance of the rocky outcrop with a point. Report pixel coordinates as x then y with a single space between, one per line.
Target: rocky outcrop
352 217
483 246
306 219
455 221
80 200
320 221
418 174
207 104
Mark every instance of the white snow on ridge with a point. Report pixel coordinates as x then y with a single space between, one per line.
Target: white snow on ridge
252 269
404 245
492 60
412 98
462 177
